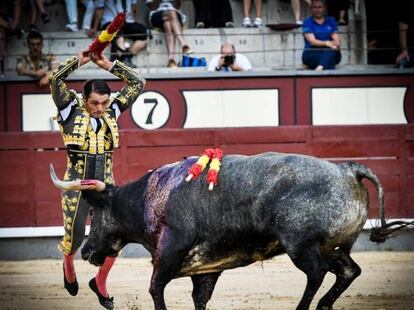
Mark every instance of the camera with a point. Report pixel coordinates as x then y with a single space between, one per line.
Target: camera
228 60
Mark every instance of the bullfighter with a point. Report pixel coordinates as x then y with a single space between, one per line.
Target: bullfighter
88 124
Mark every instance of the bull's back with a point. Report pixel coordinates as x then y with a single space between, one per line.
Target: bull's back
257 193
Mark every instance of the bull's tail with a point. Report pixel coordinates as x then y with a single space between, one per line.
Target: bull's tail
386 230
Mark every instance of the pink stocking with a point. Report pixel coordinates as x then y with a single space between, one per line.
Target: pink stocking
69 267
102 275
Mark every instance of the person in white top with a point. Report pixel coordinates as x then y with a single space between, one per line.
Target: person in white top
105 13
229 60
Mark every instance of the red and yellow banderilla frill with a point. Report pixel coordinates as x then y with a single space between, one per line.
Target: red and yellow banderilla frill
214 168
213 156
106 36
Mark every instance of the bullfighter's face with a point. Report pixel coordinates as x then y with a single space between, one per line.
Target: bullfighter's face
96 104
102 240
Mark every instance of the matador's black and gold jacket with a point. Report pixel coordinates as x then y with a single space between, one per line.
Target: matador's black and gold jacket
78 135
89 150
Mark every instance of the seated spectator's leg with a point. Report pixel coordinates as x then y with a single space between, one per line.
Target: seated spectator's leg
311 58
246 7
137 46
343 9
169 33
227 13
43 15
120 42
221 13
177 28
202 11
338 57
329 58
89 12
72 12
137 33
333 8
33 15
296 10
258 5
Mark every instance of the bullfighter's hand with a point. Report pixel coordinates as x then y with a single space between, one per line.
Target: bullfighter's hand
44 81
40 73
102 61
84 58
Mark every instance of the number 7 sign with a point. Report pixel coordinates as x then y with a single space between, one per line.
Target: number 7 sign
151 110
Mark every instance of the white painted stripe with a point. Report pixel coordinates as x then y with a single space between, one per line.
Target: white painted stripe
23 232
57 231
358 105
376 222
232 108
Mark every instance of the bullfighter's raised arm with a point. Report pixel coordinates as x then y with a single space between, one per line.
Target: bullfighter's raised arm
125 98
135 84
62 97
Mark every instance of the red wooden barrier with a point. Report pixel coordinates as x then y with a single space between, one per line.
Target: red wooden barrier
28 198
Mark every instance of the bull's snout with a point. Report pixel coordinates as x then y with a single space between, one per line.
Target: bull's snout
85 254
91 256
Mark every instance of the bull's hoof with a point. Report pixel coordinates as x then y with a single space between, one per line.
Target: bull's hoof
72 288
106 302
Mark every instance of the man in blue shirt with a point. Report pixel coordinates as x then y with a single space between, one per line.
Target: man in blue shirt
322 42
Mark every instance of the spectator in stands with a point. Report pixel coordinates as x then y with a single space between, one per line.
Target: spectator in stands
229 60
9 26
165 15
72 11
213 13
105 13
296 7
36 64
35 7
246 11
322 42
405 58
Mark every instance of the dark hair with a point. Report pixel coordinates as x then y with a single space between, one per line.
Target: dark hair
323 2
34 35
96 86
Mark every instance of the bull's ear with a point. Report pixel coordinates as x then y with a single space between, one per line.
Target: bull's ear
78 185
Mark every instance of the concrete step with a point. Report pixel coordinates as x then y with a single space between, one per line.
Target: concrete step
264 47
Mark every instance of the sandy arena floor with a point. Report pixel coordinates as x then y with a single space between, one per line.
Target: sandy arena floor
387 282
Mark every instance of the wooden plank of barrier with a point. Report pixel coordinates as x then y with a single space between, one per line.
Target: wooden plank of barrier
14 141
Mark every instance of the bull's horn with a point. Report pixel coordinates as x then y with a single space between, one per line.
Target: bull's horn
77 185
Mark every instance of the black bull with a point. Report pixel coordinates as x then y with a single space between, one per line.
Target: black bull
263 206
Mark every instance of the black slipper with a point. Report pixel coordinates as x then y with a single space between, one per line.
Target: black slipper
72 288
106 302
